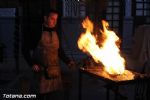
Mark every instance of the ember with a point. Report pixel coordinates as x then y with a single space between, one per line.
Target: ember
127 75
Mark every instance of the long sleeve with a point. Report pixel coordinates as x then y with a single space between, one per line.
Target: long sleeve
30 39
28 45
26 53
61 52
62 55
27 56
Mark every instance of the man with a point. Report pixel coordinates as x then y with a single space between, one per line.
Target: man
44 59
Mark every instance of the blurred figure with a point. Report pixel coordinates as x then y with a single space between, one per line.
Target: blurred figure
44 59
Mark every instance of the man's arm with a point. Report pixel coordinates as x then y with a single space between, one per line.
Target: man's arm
63 56
27 55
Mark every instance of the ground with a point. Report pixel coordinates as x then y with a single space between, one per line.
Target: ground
92 89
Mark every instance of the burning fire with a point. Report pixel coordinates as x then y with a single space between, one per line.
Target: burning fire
108 54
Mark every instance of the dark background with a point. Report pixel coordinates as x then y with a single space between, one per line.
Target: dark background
21 20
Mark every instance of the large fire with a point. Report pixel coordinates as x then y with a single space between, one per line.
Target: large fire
108 53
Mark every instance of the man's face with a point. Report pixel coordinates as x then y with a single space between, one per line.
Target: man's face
52 20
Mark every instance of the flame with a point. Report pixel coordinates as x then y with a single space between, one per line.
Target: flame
108 54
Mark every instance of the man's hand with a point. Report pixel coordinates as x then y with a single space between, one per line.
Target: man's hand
72 65
36 68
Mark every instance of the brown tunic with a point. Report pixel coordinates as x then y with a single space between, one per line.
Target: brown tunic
48 51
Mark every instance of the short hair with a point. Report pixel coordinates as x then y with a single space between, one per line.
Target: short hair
47 12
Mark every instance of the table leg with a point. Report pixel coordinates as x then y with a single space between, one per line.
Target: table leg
116 92
107 93
80 85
